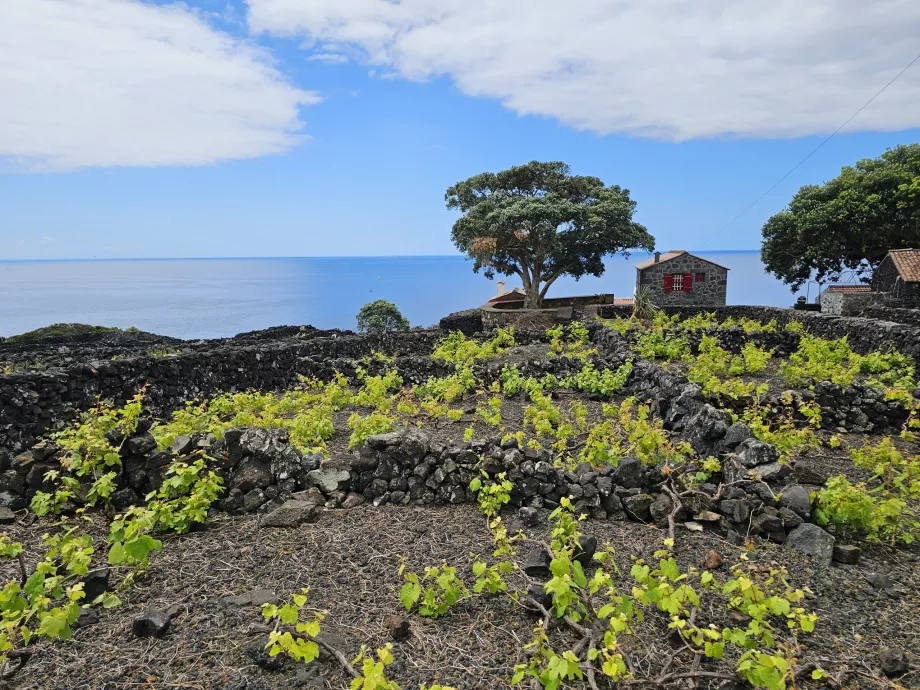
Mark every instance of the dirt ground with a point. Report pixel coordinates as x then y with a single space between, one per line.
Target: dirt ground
349 561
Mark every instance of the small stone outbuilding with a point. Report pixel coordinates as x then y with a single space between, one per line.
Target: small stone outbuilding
898 275
678 278
844 300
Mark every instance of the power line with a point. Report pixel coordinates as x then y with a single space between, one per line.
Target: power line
814 150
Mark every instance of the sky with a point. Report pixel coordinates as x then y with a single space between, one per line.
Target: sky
333 127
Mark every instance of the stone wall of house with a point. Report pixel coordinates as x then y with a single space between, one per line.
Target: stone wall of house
712 292
831 302
885 277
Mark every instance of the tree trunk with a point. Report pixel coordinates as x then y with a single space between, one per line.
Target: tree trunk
532 297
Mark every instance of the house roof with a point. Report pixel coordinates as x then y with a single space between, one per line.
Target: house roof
907 263
512 295
849 289
673 254
623 301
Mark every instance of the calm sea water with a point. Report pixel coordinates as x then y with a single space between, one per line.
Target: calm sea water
210 298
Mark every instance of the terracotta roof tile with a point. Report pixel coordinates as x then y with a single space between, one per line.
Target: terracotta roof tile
623 301
907 261
671 254
849 289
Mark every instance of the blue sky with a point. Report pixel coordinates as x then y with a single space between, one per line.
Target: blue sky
269 129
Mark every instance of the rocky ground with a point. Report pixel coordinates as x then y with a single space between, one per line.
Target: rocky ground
211 582
192 620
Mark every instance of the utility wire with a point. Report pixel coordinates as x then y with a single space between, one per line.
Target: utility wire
813 151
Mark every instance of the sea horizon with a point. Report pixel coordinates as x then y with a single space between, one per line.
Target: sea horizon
215 297
326 256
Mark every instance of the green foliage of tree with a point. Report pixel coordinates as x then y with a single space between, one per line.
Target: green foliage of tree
539 222
850 222
381 316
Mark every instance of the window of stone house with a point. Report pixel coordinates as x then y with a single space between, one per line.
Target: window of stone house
677 282
700 278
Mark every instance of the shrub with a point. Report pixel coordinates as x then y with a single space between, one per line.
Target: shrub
381 316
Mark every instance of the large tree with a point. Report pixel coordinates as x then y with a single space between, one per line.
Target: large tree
848 223
539 222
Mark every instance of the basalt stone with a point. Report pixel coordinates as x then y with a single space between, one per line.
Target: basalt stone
536 564
529 517
253 500
812 541
331 476
880 580
790 518
661 510
611 503
311 495
754 453
639 506
847 555
153 623
159 459
6 516
537 594
13 482
95 583
629 473
414 444
767 523
140 445
893 661
384 441
291 514
771 472
735 510
544 469
587 547
797 498
124 498
251 474
575 491
696 503
604 485
182 445
736 434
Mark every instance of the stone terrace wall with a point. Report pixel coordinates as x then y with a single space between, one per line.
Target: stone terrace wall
34 401
908 317
864 334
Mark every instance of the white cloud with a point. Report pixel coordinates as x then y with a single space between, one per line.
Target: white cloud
329 58
122 83
671 69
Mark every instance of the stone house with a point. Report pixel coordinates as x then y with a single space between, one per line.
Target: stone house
898 276
845 300
678 278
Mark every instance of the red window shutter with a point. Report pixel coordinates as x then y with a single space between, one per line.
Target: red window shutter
688 282
668 282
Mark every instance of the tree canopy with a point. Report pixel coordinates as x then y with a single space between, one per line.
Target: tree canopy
381 316
539 222
850 222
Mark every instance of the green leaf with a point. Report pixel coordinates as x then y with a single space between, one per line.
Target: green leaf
409 595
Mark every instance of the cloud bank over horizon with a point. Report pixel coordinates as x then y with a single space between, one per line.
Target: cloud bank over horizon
661 69
112 83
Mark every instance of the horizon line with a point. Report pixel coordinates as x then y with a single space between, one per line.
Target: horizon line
323 256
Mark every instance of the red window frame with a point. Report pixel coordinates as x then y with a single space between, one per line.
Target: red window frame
678 282
700 278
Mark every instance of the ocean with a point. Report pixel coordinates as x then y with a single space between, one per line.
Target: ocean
212 298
